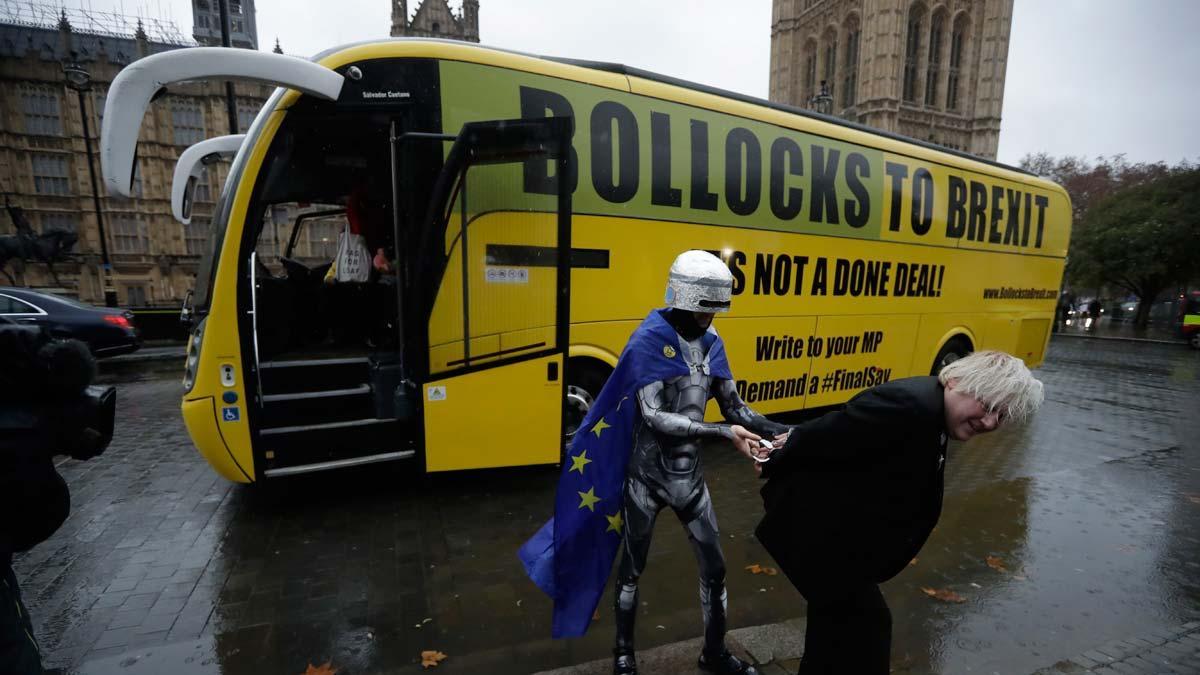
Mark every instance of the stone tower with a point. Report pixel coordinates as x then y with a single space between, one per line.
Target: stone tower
206 23
932 70
434 18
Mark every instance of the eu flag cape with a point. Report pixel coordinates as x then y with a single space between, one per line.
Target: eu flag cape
571 557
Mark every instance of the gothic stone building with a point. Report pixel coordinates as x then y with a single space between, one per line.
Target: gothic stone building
44 167
928 69
434 19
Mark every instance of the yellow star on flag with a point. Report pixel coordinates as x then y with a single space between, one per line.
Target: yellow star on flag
615 522
579 461
589 499
600 426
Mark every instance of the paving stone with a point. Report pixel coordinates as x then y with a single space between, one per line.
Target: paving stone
127 619
1099 657
118 637
142 600
1117 649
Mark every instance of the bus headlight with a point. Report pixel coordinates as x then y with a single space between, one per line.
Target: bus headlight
193 356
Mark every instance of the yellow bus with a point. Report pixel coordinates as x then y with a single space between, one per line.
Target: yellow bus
520 214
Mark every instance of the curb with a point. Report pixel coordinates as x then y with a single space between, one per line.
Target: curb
1175 650
1110 338
136 357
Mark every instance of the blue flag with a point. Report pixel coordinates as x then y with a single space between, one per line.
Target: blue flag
571 557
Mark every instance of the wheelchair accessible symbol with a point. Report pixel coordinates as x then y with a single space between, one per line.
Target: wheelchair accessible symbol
230 414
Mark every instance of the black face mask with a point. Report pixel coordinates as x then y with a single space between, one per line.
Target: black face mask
684 323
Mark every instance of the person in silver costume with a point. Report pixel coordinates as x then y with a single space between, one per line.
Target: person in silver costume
665 469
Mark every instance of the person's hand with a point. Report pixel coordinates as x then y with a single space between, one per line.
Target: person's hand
745 441
780 440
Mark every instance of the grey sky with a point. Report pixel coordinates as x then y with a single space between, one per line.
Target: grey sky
1085 77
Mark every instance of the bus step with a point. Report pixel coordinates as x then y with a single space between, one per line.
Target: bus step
323 426
340 463
312 363
317 444
353 391
317 407
279 378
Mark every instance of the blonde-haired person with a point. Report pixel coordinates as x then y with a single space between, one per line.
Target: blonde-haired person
853 495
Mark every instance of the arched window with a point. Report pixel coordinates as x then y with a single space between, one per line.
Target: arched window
912 51
829 58
932 71
810 72
958 37
850 64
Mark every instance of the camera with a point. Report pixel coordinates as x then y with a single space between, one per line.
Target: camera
47 399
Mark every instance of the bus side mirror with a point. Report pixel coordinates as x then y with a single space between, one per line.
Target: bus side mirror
185 312
189 194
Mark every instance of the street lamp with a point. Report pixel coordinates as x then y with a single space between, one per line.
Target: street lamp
822 102
80 80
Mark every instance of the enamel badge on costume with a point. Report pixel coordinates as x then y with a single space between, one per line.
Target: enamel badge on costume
668 351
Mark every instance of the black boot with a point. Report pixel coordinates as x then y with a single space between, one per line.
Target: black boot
624 663
724 663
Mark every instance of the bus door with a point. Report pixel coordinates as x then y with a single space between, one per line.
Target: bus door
491 289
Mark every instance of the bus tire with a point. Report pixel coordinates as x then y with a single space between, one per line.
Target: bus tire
585 379
954 349
1195 340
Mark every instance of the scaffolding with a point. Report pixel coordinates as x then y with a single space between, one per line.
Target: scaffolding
92 21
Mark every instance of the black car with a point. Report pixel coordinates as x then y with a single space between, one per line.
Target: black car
106 331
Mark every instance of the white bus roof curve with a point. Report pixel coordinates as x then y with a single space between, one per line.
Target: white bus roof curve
191 163
134 86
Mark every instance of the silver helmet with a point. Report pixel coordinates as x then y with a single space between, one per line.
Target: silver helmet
699 282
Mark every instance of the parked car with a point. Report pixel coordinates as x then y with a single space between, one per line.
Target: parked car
106 331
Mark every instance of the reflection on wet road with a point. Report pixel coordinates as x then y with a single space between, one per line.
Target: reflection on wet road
1090 515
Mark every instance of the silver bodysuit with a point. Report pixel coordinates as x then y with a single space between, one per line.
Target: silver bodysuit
665 471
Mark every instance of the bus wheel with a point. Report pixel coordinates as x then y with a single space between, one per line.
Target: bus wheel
953 350
1195 341
583 386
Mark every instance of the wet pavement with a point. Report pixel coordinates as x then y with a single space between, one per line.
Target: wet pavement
1092 511
1108 328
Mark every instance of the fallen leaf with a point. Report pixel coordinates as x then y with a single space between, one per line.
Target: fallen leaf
996 564
518 603
943 594
759 569
431 658
323 669
975 585
912 562
596 615
427 620
754 569
661 627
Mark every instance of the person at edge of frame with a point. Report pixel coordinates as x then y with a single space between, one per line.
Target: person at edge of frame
852 496
46 408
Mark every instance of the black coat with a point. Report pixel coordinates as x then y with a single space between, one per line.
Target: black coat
46 408
854 494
